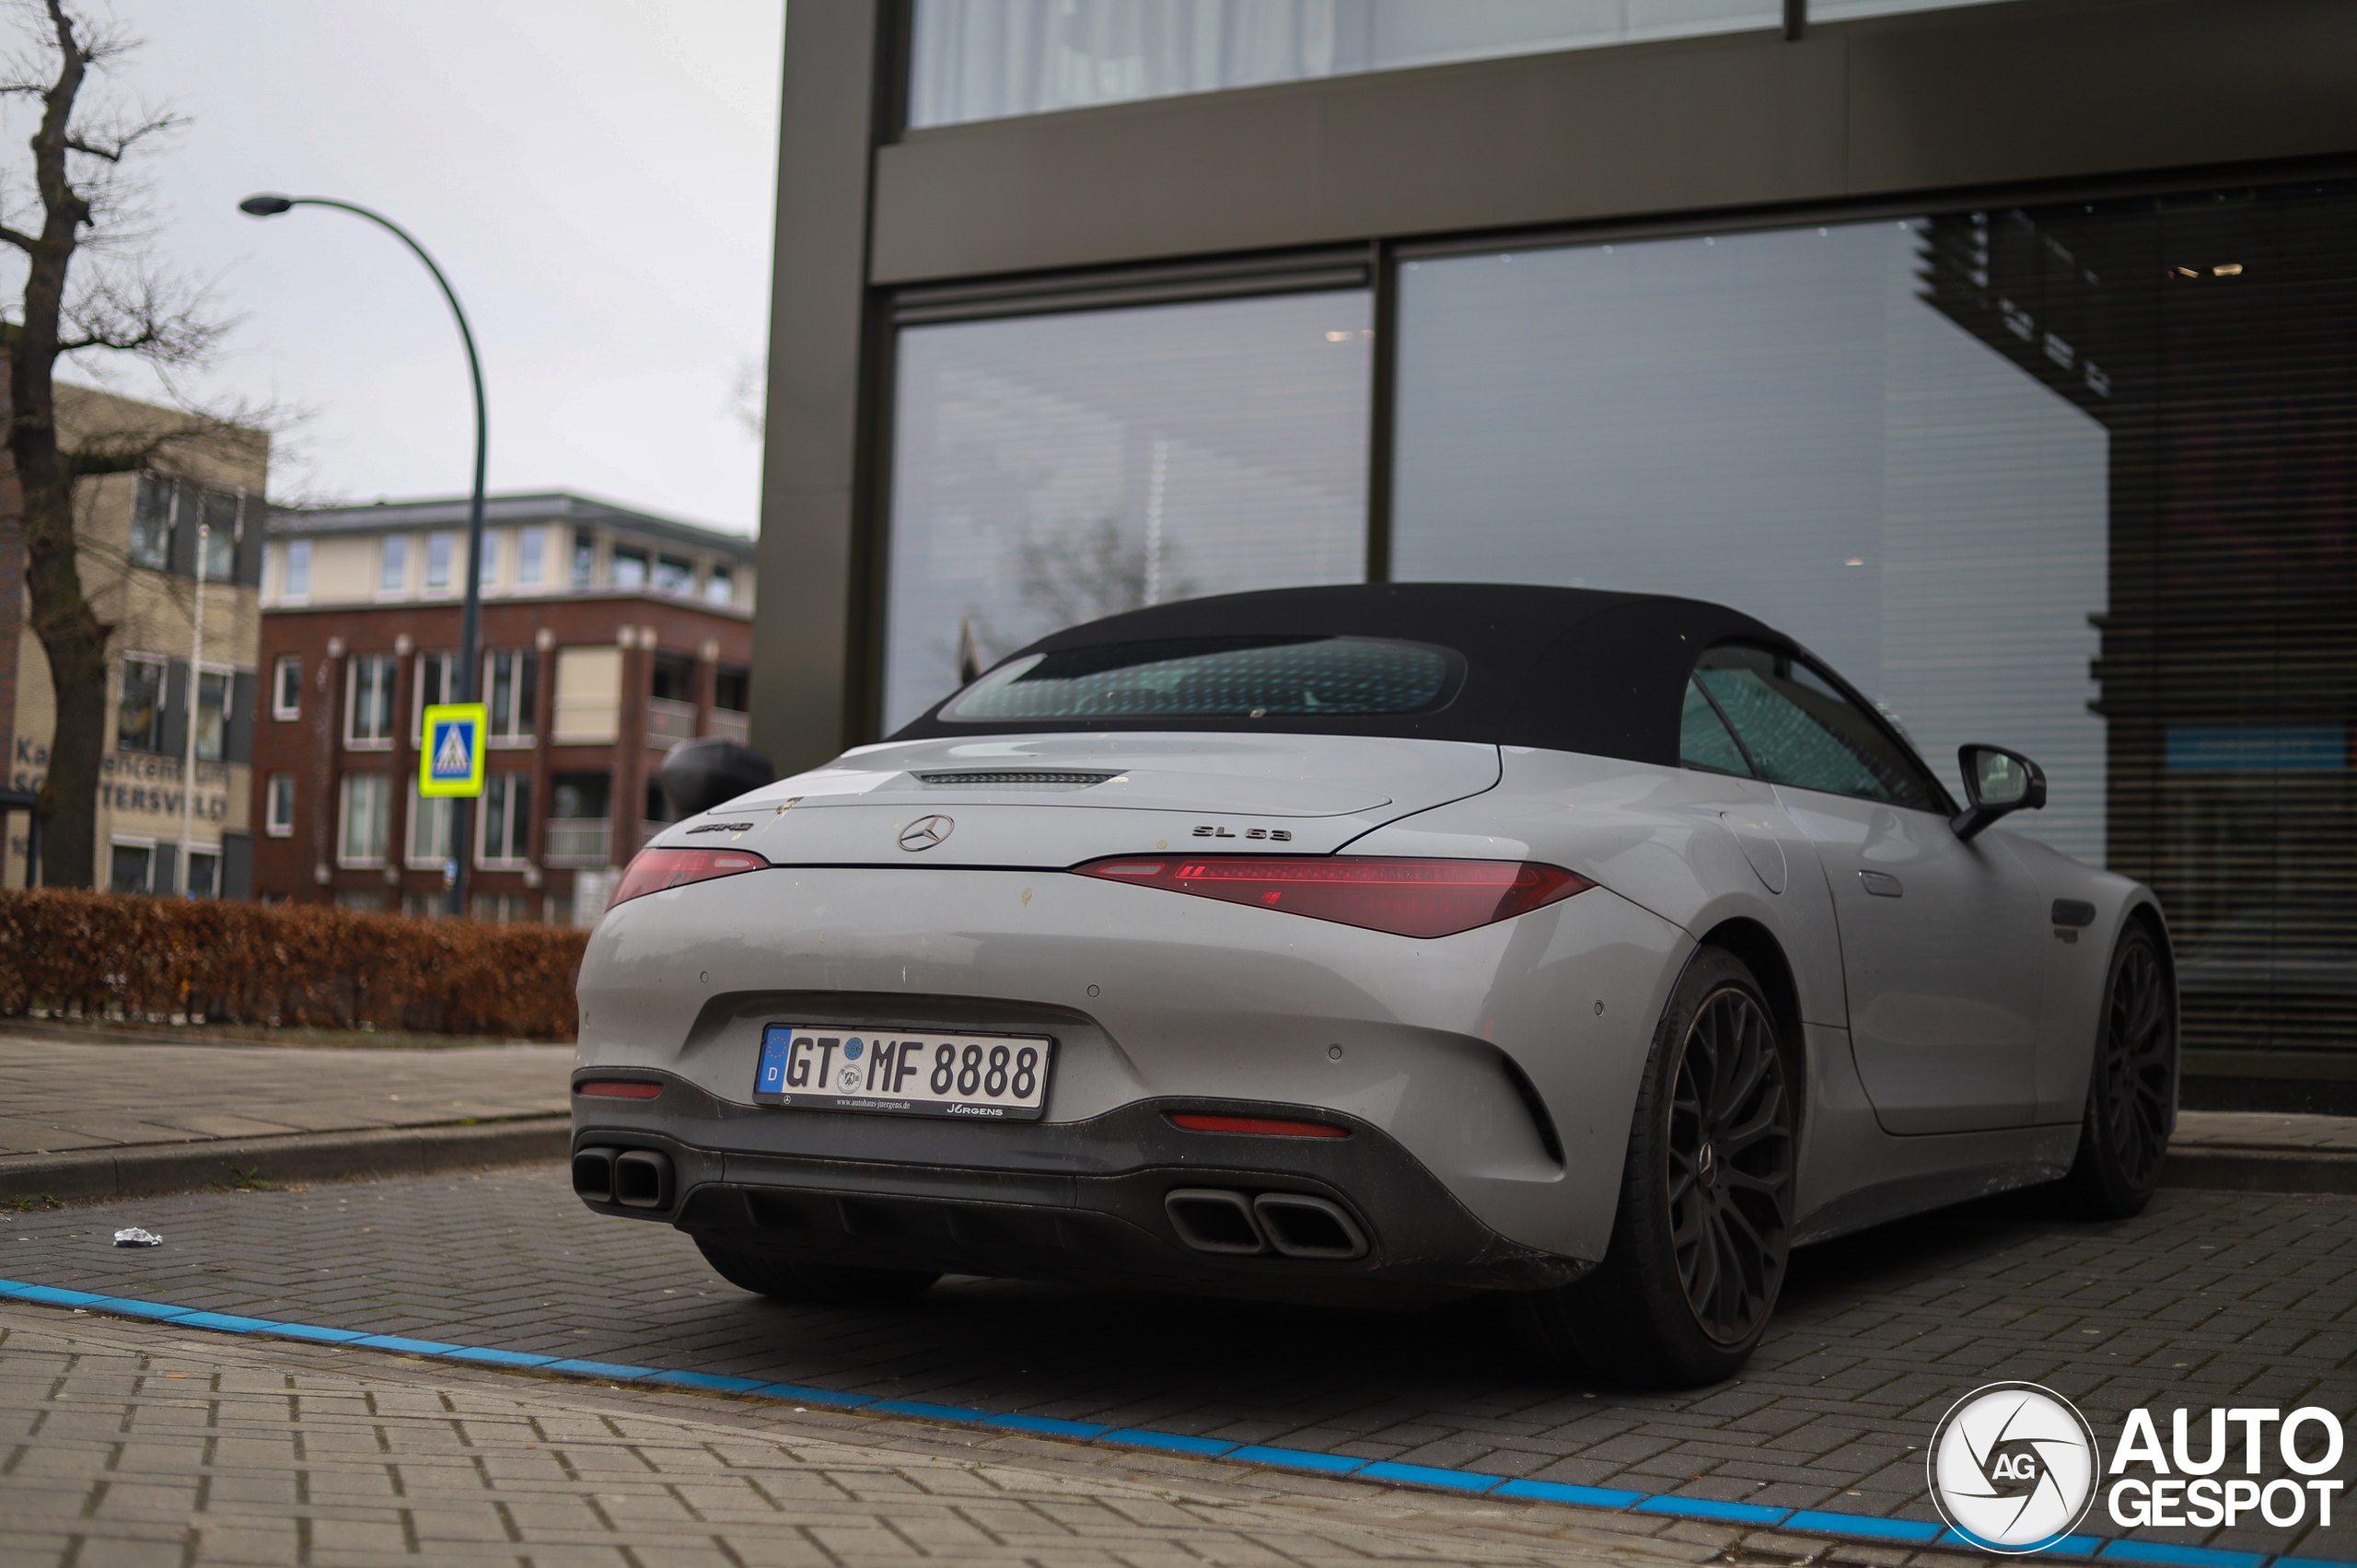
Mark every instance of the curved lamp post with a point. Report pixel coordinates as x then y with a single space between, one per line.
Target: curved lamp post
470 633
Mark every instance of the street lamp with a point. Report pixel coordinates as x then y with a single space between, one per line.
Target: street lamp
470 630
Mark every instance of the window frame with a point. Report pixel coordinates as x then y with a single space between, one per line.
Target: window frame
353 739
289 592
523 726
284 665
278 789
380 784
392 567
154 745
499 787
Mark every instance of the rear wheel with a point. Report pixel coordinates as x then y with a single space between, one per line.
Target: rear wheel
2132 1092
773 1274
1705 1226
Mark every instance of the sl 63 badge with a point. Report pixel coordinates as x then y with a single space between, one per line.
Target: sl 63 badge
1275 835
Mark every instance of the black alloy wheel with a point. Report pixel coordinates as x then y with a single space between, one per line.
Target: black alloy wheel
2132 1089
1703 1231
1731 1166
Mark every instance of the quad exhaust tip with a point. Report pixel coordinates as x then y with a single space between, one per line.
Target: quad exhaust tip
1292 1224
637 1178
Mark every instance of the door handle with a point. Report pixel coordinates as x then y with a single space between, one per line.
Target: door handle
1881 884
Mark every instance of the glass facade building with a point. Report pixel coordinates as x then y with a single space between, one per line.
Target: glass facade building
2068 465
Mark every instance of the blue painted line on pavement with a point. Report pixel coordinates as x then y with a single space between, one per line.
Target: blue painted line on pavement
1711 1509
1815 1521
1295 1458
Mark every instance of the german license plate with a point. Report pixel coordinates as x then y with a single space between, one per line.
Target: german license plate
828 1067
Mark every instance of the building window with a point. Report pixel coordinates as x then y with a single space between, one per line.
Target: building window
531 557
580 832
287 687
436 685
506 819
1051 469
629 568
584 559
151 523
220 513
489 572
278 807
425 906
433 829
512 682
295 580
674 576
360 901
504 908
732 688
368 706
132 868
368 819
720 588
393 573
203 874
985 59
139 715
212 716
439 549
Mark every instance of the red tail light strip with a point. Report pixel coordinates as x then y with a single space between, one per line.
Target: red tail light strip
608 1088
652 870
1261 1126
1407 898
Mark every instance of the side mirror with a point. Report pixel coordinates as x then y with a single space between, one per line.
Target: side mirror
700 774
1995 782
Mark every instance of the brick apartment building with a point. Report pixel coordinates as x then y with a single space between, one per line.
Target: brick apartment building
608 636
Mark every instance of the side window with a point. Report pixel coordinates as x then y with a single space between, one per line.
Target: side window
1702 738
1803 733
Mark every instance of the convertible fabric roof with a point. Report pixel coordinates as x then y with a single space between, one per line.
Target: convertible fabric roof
1566 669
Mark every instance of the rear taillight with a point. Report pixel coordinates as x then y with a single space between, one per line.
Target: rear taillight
1407 898
652 870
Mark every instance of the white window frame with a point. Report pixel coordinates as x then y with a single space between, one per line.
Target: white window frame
380 785
228 676
131 840
525 539
188 857
517 740
417 853
453 567
294 588
483 820
280 708
393 551
417 690
353 740
163 699
276 787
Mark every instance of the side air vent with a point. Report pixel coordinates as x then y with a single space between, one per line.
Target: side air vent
1012 779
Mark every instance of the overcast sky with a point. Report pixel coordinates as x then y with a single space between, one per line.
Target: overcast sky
596 177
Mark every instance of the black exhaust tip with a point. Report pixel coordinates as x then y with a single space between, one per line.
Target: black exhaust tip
593 1175
643 1180
1212 1221
1302 1226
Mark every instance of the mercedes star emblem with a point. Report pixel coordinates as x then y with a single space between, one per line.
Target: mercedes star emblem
925 833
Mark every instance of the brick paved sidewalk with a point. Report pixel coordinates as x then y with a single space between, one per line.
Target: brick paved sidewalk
2209 1298
58 1096
133 1444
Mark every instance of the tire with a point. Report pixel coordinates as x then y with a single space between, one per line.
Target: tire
2131 1087
834 1284
1703 1231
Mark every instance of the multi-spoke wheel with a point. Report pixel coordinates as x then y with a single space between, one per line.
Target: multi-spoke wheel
1704 1228
2132 1089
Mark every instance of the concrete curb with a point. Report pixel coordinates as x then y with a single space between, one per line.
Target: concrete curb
2259 1170
150 1169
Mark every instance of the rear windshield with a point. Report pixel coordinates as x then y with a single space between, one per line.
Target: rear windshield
1199 678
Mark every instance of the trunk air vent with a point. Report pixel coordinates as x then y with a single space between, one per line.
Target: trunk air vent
1023 779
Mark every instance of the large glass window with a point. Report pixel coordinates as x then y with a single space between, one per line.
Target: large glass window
2071 479
1786 423
1054 468
982 59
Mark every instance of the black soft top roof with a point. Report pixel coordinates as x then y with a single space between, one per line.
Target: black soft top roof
1568 669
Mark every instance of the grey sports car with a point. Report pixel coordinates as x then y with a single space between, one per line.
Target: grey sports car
1373 944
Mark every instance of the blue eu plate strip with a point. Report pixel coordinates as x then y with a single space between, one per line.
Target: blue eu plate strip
1812 1521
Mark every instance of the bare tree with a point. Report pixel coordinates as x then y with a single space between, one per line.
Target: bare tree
90 290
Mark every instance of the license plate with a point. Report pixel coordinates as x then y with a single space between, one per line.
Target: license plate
828 1067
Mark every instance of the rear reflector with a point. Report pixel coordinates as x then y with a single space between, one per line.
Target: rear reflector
611 1090
1259 1125
1407 898
652 870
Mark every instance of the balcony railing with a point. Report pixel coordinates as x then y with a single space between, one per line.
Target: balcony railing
580 840
729 724
668 721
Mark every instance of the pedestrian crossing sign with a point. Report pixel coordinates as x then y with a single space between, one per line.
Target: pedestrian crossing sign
451 763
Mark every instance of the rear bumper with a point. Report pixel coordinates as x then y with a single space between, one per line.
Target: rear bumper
1085 1202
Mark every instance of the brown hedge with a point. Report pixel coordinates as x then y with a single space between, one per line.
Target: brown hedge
111 955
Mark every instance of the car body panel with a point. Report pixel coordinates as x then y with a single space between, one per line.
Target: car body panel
1194 998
